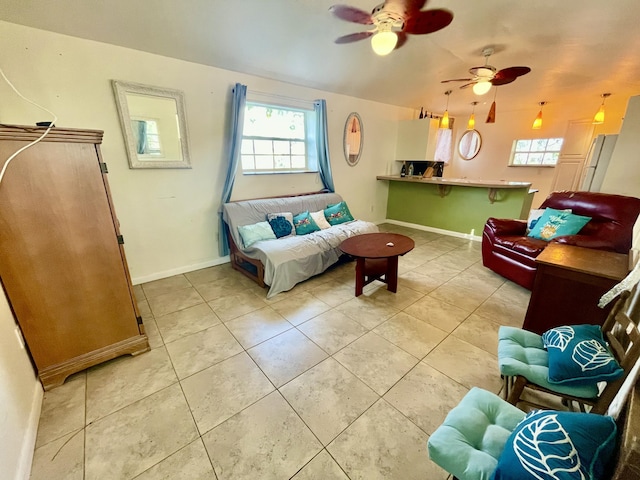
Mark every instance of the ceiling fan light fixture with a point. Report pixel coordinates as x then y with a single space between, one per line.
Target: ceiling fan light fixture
384 42
537 123
486 72
481 87
598 119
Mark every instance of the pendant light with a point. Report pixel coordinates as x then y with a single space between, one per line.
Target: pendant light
471 124
599 116
537 123
491 116
444 121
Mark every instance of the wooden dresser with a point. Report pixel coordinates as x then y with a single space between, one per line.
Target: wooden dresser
62 262
568 285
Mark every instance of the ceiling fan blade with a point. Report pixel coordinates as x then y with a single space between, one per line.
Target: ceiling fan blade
508 75
468 85
427 21
353 37
404 7
457 80
351 14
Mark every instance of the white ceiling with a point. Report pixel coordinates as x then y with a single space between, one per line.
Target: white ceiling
577 49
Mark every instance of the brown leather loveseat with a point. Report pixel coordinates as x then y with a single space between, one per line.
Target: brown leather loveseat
508 251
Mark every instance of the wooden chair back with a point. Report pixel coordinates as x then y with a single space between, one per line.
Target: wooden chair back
620 330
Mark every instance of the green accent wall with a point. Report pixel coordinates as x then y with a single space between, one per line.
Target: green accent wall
462 209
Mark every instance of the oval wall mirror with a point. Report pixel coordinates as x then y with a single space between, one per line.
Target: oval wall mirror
469 144
353 138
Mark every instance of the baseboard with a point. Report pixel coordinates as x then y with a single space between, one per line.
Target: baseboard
223 260
179 270
441 231
29 438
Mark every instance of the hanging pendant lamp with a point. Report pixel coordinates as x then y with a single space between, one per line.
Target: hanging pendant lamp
471 124
444 122
491 116
598 119
537 123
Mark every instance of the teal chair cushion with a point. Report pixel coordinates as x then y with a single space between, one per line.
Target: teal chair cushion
521 352
473 435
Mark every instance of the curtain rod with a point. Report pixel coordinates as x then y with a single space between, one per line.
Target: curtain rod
282 97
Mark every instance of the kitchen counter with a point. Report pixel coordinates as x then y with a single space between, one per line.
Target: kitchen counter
457 205
456 181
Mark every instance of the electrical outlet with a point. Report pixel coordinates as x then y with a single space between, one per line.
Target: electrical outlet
372 208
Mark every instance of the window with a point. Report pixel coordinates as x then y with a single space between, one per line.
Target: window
278 139
539 152
147 137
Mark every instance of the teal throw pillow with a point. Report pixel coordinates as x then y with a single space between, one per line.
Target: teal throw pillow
578 355
558 446
253 233
535 215
282 224
556 223
338 213
304 224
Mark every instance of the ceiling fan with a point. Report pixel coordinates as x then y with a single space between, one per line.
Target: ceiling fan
484 77
393 20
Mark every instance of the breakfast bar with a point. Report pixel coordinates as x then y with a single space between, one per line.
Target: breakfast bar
455 204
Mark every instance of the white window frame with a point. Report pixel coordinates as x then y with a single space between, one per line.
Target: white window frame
532 151
311 162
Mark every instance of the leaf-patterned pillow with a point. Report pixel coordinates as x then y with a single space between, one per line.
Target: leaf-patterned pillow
578 355
549 445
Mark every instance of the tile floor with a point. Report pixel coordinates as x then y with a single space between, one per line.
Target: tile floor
312 384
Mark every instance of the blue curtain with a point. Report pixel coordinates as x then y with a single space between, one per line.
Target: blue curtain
142 136
322 143
235 143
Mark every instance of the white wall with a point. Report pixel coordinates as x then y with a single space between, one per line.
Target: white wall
20 400
623 174
169 217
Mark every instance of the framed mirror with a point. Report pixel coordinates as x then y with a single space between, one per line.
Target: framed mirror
154 125
469 144
353 138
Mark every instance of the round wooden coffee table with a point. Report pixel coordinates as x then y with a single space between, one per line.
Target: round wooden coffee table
376 256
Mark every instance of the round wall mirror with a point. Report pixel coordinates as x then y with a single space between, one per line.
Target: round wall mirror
353 138
469 144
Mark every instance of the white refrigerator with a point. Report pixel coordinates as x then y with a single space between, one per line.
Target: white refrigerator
597 162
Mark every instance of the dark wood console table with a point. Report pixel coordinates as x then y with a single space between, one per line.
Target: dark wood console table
569 283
